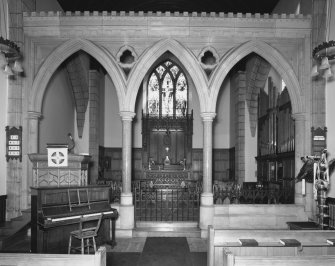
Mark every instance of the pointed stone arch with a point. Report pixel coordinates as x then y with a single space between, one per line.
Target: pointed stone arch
57 57
145 62
269 53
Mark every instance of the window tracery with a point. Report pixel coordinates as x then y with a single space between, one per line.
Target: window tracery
167 91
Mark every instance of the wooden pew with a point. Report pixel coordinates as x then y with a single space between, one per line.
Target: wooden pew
313 242
231 260
33 259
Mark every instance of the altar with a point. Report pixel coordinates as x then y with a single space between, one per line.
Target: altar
166 172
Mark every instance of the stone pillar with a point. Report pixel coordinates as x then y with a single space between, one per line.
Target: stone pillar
18 188
94 102
207 205
33 130
15 181
240 88
300 131
319 35
126 206
33 121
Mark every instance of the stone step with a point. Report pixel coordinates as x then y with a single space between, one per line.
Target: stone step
257 221
166 229
259 209
167 232
154 224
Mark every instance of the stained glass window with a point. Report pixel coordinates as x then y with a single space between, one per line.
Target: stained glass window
153 100
167 90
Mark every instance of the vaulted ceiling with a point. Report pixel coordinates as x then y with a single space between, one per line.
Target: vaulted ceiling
235 6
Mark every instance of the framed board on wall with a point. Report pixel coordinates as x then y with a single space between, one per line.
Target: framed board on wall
13 143
319 140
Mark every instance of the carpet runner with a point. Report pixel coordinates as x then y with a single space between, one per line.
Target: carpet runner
160 251
165 251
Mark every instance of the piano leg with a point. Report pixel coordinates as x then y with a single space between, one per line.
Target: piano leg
112 242
45 242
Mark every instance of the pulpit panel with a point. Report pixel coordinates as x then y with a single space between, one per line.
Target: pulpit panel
74 174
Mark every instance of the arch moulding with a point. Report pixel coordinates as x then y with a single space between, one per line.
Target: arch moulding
270 54
145 62
61 53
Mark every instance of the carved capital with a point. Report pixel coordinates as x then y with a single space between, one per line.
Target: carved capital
33 115
299 116
127 115
208 116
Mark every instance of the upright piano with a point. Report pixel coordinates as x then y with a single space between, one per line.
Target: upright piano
56 211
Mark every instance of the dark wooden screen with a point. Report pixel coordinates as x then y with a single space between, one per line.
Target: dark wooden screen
169 131
276 137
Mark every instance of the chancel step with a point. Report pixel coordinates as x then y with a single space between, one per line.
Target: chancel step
164 229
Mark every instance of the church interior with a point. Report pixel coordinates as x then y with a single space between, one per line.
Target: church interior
167 132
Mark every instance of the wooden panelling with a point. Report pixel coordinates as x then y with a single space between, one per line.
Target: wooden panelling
137 163
223 164
197 164
222 161
3 208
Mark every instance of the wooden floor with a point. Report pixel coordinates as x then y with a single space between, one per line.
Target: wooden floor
18 243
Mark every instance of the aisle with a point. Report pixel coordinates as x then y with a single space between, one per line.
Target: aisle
160 251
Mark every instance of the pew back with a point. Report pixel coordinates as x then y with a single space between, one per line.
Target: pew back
232 260
33 259
313 242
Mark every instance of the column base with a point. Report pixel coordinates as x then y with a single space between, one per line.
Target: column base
126 199
206 219
206 213
126 221
207 199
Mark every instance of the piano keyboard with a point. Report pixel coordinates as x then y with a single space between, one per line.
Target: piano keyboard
77 216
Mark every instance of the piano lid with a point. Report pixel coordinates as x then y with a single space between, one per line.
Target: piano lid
63 210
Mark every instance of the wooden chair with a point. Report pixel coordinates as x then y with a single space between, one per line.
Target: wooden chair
78 198
88 230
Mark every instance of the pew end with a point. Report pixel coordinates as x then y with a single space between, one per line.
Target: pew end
226 248
34 259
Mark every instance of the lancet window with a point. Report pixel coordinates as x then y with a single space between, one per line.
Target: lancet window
167 91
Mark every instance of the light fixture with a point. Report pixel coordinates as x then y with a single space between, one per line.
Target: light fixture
324 57
10 57
8 71
324 54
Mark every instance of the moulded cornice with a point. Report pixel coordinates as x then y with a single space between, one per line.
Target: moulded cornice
164 14
148 23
